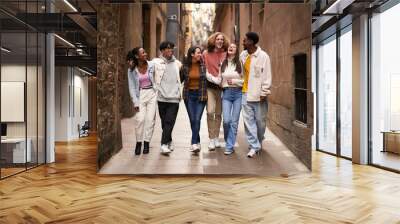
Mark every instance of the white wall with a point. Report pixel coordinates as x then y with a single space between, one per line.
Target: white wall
13 73
33 127
17 73
80 110
61 103
71 94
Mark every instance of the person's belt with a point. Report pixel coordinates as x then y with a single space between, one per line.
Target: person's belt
147 87
212 85
233 87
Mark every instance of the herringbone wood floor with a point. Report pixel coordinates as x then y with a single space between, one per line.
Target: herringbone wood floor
70 191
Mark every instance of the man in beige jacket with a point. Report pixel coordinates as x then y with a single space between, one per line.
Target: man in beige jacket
256 88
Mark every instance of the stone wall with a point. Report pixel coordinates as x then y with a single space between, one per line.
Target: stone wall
108 55
286 32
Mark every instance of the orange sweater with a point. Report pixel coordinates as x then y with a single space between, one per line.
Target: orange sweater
194 76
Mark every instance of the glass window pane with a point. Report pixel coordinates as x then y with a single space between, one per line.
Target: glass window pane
346 94
385 88
13 86
31 97
23 85
41 98
327 96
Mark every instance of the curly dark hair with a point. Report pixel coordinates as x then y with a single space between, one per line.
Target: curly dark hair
130 56
252 36
135 53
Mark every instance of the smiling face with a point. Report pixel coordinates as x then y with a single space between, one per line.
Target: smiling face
232 50
219 41
247 43
167 53
196 56
142 55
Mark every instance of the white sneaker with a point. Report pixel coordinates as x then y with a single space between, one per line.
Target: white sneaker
171 146
217 143
165 150
226 152
194 148
251 153
211 145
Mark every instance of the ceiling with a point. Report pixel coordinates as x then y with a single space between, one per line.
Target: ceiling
74 21
337 14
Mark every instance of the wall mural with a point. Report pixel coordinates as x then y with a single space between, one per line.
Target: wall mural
226 100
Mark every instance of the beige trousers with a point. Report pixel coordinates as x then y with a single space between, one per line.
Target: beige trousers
214 111
145 118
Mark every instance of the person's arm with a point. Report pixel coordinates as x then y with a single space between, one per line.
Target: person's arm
155 78
238 81
204 58
214 79
132 86
182 74
266 77
152 72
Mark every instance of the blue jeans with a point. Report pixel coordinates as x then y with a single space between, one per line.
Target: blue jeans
231 106
195 110
255 118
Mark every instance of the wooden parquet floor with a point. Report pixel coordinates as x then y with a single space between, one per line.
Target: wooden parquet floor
70 191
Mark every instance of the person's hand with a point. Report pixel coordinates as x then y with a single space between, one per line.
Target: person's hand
263 98
136 109
230 82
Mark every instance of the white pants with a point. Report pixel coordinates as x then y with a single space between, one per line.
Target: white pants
145 118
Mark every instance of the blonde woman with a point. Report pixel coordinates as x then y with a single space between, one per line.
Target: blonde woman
217 46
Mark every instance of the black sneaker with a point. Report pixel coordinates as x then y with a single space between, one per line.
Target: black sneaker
146 147
138 148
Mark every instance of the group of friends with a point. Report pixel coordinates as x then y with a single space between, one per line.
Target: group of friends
217 78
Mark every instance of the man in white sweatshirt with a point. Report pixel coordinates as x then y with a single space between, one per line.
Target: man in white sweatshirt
256 88
168 85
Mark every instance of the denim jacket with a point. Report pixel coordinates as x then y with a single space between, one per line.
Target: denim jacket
133 82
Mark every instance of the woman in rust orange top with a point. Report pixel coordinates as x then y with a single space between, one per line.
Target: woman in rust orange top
193 74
